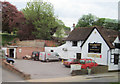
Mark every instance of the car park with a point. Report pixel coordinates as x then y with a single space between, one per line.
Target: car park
87 63
70 61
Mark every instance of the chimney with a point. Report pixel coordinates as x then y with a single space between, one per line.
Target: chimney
73 25
72 28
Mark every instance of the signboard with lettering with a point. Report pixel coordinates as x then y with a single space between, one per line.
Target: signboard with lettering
95 55
94 47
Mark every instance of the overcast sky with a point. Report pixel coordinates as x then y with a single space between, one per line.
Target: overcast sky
69 11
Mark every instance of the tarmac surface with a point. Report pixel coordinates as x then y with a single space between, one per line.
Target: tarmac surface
42 70
8 76
56 72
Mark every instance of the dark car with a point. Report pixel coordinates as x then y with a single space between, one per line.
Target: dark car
35 55
87 63
70 61
10 60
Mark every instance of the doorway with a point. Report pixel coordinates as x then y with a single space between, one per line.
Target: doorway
78 55
11 53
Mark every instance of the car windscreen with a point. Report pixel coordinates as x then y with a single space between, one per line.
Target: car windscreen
82 61
70 60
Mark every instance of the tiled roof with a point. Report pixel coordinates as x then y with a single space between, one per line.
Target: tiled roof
82 33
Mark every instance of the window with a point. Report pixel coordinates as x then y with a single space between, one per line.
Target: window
88 61
82 61
116 58
117 45
52 50
74 43
94 47
76 60
93 61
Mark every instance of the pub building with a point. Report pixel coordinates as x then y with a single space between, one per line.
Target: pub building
97 43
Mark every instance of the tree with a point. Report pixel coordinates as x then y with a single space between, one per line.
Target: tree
12 18
86 20
41 16
91 20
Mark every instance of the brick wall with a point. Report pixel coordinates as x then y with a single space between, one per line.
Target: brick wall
27 51
94 70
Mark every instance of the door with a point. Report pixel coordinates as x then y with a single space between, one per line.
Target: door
11 53
78 55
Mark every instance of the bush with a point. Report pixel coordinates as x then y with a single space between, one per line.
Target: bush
7 38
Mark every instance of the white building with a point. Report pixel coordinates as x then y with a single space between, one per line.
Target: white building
97 43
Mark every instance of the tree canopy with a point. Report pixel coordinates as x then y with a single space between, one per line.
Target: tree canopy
41 16
11 17
92 20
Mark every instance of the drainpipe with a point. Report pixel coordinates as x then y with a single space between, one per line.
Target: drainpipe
108 55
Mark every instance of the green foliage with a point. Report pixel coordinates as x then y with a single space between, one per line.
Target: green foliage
7 38
92 20
86 21
41 15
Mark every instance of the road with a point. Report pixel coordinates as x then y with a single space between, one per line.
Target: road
105 77
8 76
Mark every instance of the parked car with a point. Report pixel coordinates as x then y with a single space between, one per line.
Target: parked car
70 61
87 63
27 57
10 60
49 56
35 55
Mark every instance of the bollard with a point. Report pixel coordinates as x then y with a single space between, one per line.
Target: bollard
89 71
62 61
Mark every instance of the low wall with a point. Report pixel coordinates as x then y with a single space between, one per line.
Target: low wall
94 70
13 69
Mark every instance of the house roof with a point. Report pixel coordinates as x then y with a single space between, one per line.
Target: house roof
82 33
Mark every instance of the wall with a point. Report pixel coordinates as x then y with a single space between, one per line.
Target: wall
22 51
15 70
70 53
96 37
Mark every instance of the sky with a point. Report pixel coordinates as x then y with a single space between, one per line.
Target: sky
69 11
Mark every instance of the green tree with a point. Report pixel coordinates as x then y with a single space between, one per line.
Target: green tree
92 20
41 15
86 20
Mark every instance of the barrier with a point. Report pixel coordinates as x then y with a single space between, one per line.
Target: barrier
94 70
15 70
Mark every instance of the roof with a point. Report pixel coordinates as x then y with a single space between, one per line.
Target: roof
82 33
79 34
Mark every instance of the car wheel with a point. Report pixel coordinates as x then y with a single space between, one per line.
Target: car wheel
12 62
47 60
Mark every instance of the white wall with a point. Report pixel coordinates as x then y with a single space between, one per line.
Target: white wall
70 53
4 49
96 37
